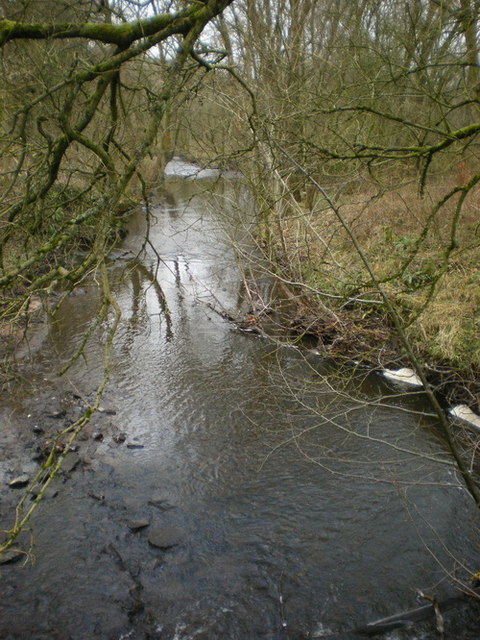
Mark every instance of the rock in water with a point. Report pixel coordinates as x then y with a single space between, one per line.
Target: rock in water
50 492
69 462
107 412
57 415
11 555
19 481
403 376
165 537
135 525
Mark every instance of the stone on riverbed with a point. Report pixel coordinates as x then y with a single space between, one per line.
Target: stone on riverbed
50 492
135 525
11 555
70 461
165 537
19 481
107 411
161 502
57 415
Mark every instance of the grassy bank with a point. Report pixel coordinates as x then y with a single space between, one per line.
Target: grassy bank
423 250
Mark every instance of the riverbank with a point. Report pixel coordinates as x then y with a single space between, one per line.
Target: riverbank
423 256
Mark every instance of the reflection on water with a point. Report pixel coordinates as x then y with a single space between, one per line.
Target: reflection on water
302 510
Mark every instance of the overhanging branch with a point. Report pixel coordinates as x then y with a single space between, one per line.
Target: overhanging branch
123 35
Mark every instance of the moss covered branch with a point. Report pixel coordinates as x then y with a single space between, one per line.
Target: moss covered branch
122 35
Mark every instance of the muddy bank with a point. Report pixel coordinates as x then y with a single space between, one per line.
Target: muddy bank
33 434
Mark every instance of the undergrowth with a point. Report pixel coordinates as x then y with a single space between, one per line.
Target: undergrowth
425 256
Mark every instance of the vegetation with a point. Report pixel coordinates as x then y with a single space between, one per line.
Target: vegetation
355 125
370 111
68 153
365 118
80 123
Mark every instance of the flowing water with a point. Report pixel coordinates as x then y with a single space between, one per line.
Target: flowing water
305 503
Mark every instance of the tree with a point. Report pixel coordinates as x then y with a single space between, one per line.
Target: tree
355 104
66 136
86 101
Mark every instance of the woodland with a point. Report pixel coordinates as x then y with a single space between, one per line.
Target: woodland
355 126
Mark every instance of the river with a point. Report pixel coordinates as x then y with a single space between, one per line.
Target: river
307 501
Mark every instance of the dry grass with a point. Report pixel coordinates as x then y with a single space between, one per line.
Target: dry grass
406 240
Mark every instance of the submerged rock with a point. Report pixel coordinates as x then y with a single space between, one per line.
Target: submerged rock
96 496
78 291
161 503
135 525
70 461
19 481
46 447
57 415
107 411
165 537
11 555
50 492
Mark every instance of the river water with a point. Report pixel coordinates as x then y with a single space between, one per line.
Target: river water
308 501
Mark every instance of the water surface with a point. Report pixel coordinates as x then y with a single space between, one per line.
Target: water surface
303 512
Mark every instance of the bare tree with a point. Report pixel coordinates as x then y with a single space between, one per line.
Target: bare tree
86 100
66 131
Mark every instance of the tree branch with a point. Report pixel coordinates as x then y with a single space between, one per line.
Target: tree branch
123 35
